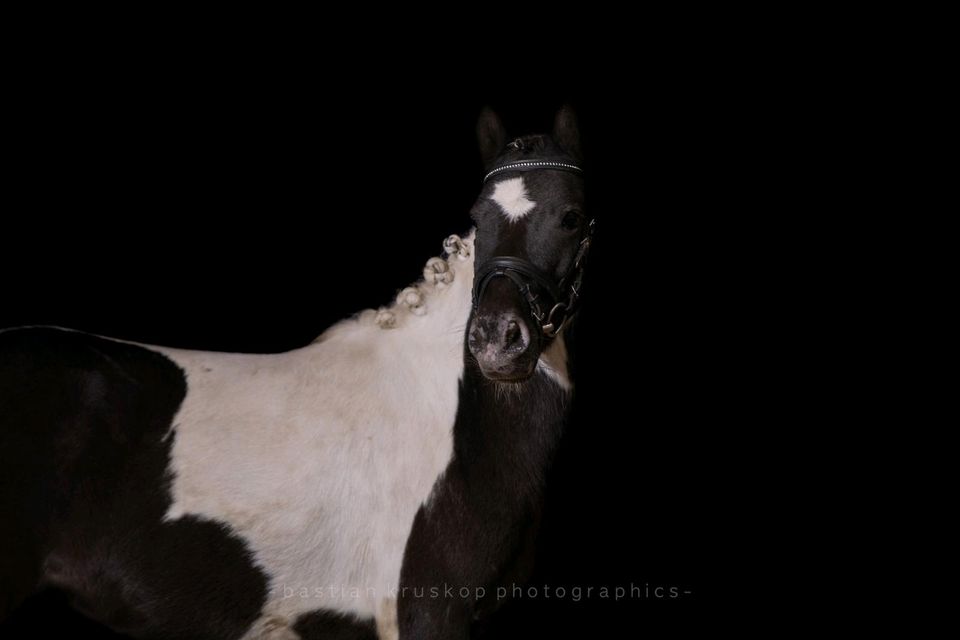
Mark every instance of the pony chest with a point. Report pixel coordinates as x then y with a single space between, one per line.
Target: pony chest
273 459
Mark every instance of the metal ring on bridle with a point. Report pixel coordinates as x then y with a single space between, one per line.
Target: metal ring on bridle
552 327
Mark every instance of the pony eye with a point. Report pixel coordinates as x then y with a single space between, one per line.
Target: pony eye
572 220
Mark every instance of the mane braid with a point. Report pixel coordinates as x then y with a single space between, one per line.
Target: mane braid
414 300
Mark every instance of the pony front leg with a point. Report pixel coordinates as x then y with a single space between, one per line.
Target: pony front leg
441 568
430 604
423 617
387 628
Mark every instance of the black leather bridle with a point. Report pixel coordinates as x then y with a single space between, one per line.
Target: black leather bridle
550 303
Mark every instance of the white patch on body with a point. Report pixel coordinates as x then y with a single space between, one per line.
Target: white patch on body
319 458
511 196
553 362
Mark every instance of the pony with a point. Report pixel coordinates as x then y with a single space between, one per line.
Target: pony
379 482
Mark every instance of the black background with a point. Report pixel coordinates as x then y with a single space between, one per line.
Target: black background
245 205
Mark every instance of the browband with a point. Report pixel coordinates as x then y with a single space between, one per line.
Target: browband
533 165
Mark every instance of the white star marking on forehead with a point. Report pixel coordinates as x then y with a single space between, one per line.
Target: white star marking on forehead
511 196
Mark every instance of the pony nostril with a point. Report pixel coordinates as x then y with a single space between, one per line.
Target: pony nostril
512 334
474 338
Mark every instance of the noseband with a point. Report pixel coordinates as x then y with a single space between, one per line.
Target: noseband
550 303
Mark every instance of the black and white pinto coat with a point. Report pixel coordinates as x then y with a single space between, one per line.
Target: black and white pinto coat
186 494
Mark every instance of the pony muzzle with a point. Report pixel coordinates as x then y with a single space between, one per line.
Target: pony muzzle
501 337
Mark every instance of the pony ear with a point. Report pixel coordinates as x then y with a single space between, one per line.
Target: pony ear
490 135
566 132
